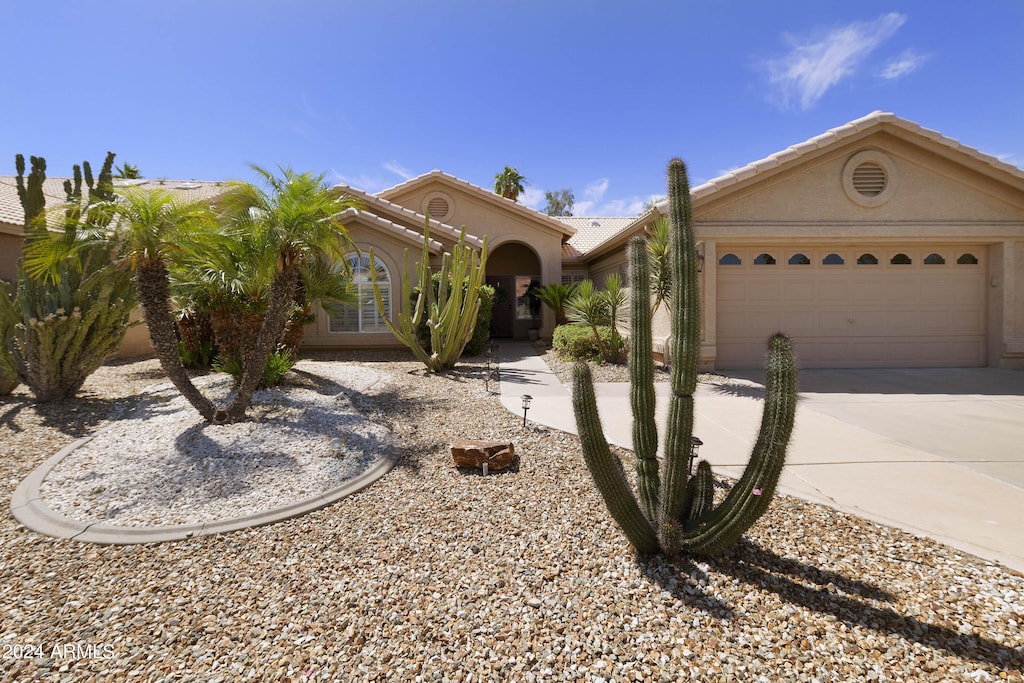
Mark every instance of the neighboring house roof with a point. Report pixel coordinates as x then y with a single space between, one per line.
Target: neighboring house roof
488 196
372 202
53 189
591 231
390 227
877 120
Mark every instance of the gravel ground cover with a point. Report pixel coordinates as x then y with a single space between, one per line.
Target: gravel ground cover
433 573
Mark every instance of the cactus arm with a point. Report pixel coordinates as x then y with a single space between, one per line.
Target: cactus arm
685 342
605 468
405 331
641 388
752 494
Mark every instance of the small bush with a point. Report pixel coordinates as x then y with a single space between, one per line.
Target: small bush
576 342
278 364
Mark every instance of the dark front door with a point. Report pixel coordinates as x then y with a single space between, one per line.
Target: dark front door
503 316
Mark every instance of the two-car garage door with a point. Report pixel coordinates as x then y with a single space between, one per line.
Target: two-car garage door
884 306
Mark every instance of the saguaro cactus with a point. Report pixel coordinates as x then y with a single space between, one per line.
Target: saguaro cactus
451 316
676 512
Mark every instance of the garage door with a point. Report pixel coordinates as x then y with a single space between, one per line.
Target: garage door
855 307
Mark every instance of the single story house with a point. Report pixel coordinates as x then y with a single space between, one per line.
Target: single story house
878 243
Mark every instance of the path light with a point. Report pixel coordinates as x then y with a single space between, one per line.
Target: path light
695 443
526 406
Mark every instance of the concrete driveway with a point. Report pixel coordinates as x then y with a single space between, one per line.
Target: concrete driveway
938 452
970 416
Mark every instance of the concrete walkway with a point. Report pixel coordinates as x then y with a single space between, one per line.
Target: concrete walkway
939 453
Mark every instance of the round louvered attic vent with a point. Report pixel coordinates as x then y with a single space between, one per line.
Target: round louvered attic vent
869 179
438 205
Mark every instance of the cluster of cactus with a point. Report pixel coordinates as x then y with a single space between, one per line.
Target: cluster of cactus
67 326
8 319
451 315
676 512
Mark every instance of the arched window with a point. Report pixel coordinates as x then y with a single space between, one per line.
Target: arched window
867 260
764 260
833 260
799 260
362 316
934 260
967 260
900 260
730 260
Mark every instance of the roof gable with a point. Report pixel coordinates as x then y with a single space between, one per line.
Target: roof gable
486 196
873 122
409 219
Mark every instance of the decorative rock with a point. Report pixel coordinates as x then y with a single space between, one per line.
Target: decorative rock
469 453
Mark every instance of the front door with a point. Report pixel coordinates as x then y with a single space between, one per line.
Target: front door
503 315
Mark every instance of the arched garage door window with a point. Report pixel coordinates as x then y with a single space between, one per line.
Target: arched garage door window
362 316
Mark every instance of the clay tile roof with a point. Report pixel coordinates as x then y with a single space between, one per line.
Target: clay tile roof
53 189
369 200
591 231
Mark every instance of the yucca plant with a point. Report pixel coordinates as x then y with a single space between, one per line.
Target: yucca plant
675 512
556 297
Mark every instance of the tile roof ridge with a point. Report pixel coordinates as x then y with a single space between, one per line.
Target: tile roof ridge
397 227
451 230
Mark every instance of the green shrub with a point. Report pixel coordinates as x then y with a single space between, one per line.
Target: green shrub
576 341
277 365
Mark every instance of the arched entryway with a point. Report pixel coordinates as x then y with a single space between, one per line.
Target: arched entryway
513 269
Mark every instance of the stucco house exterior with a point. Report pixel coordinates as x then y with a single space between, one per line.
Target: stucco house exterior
878 243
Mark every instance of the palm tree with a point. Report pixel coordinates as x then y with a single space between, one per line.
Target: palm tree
154 227
295 223
509 183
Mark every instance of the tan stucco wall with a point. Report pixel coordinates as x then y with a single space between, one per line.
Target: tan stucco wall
501 226
10 252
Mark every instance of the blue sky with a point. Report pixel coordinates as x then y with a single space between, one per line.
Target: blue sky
591 95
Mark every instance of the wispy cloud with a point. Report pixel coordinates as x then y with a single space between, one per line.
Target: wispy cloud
813 65
399 170
533 197
595 190
373 182
907 63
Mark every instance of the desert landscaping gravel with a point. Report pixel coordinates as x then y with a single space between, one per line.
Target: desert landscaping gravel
433 573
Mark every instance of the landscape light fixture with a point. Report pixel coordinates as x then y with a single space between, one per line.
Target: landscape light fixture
695 443
526 406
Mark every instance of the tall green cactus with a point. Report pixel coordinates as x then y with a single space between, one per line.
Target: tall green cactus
30 192
451 316
72 319
676 512
8 319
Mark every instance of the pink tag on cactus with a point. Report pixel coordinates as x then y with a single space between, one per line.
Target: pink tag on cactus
757 492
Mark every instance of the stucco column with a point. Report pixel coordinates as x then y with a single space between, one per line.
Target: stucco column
709 296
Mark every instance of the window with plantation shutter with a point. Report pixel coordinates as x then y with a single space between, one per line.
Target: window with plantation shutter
362 315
